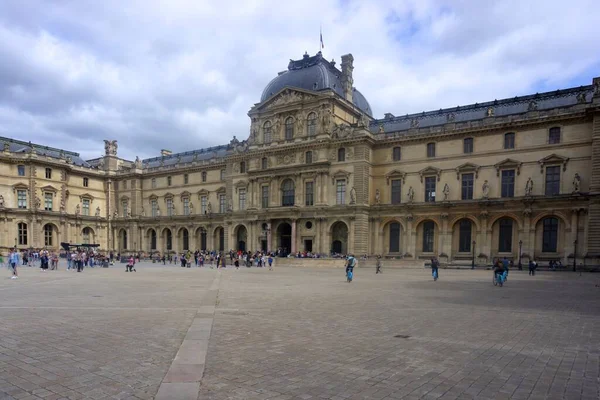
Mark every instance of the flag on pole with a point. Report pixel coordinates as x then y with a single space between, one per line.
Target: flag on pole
321 34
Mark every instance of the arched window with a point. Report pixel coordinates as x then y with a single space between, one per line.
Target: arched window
287 193
342 154
465 228
505 235
396 154
267 132
550 235
509 140
428 236
153 239
22 233
394 237
48 235
124 239
203 239
86 235
204 176
264 163
308 157
186 239
289 128
311 124
243 167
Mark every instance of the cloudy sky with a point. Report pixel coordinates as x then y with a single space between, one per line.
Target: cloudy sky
182 74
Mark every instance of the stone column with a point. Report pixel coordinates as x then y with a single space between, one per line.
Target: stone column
293 249
445 237
484 242
570 247
318 191
351 235
377 237
325 189
411 237
210 238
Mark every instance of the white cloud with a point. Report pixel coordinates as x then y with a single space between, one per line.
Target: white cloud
182 74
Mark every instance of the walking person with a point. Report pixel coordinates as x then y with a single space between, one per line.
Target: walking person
378 265
13 259
532 267
237 263
435 264
270 260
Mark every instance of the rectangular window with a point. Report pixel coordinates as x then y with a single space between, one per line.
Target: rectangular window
430 150
153 184
203 204
242 198
340 191
428 236
186 179
48 173
265 196
204 176
169 181
21 170
222 203
552 181
86 182
464 236
222 174
85 207
264 163
186 206
22 234
125 208
309 157
396 154
124 185
21 198
396 191
154 207
169 207
550 235
468 145
505 235
430 189
508 183
554 135
467 186
309 193
509 140
48 201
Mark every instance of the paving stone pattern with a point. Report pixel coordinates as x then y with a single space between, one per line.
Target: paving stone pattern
300 334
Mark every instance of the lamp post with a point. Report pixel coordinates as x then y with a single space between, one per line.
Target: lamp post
575 255
473 259
520 252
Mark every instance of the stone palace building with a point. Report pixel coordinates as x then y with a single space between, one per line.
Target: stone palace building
513 177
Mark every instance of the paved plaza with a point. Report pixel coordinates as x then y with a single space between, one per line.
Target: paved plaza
297 334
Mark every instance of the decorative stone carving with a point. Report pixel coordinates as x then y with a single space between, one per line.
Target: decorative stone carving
446 192
236 167
97 211
230 204
489 112
485 190
527 212
286 159
450 117
110 147
116 213
411 194
349 153
138 162
341 131
381 128
209 208
414 123
77 209
191 207
581 98
444 215
363 121
6 148
576 183
533 106
1 201
157 211
352 195
38 202
62 206
377 197
326 120
529 187
596 87
286 97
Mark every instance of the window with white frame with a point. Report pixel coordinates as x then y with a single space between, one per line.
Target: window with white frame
21 198
186 206
169 206
85 207
154 207
48 201
242 198
340 191
222 203
203 204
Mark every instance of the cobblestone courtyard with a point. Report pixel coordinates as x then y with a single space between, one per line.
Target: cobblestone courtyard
301 334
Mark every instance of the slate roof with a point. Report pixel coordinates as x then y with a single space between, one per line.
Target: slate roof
186 157
478 111
313 73
17 146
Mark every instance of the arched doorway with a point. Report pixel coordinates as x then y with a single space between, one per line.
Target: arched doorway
201 235
152 239
50 235
427 234
220 238
185 239
463 236
123 239
284 237
393 237
87 235
168 239
241 237
339 238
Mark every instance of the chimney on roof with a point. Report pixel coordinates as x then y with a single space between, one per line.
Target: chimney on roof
347 80
165 152
388 115
596 94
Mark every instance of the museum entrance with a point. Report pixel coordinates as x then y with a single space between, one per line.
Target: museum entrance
284 237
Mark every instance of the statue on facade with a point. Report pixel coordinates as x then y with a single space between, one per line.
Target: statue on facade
533 106
411 194
327 120
77 209
97 211
138 162
446 192
110 147
490 112
116 214
576 183
377 197
352 195
529 187
143 212
62 206
230 204
485 190
381 128
38 202
581 98
209 208
157 211
191 207
597 88
6 147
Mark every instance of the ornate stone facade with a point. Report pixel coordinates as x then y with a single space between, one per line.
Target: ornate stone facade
505 178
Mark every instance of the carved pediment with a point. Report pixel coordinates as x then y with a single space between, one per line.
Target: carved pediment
553 159
203 192
284 97
508 164
153 197
86 196
184 194
221 190
168 195
467 168
430 171
20 186
340 174
124 198
49 188
395 174
241 185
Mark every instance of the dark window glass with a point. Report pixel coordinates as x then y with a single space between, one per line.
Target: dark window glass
430 150
509 141
48 173
468 145
289 128
264 163
242 167
267 132
169 180
311 124
124 239
48 233
552 181
186 240
221 239
428 236
287 193
550 236
186 179
430 188
309 193
169 240
265 196
396 154
554 135
21 170
394 237
308 157
396 191
203 177
86 182
467 186
508 183
464 237
22 233
342 154
505 235
153 240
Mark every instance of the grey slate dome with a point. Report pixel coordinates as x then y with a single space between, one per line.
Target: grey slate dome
313 73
